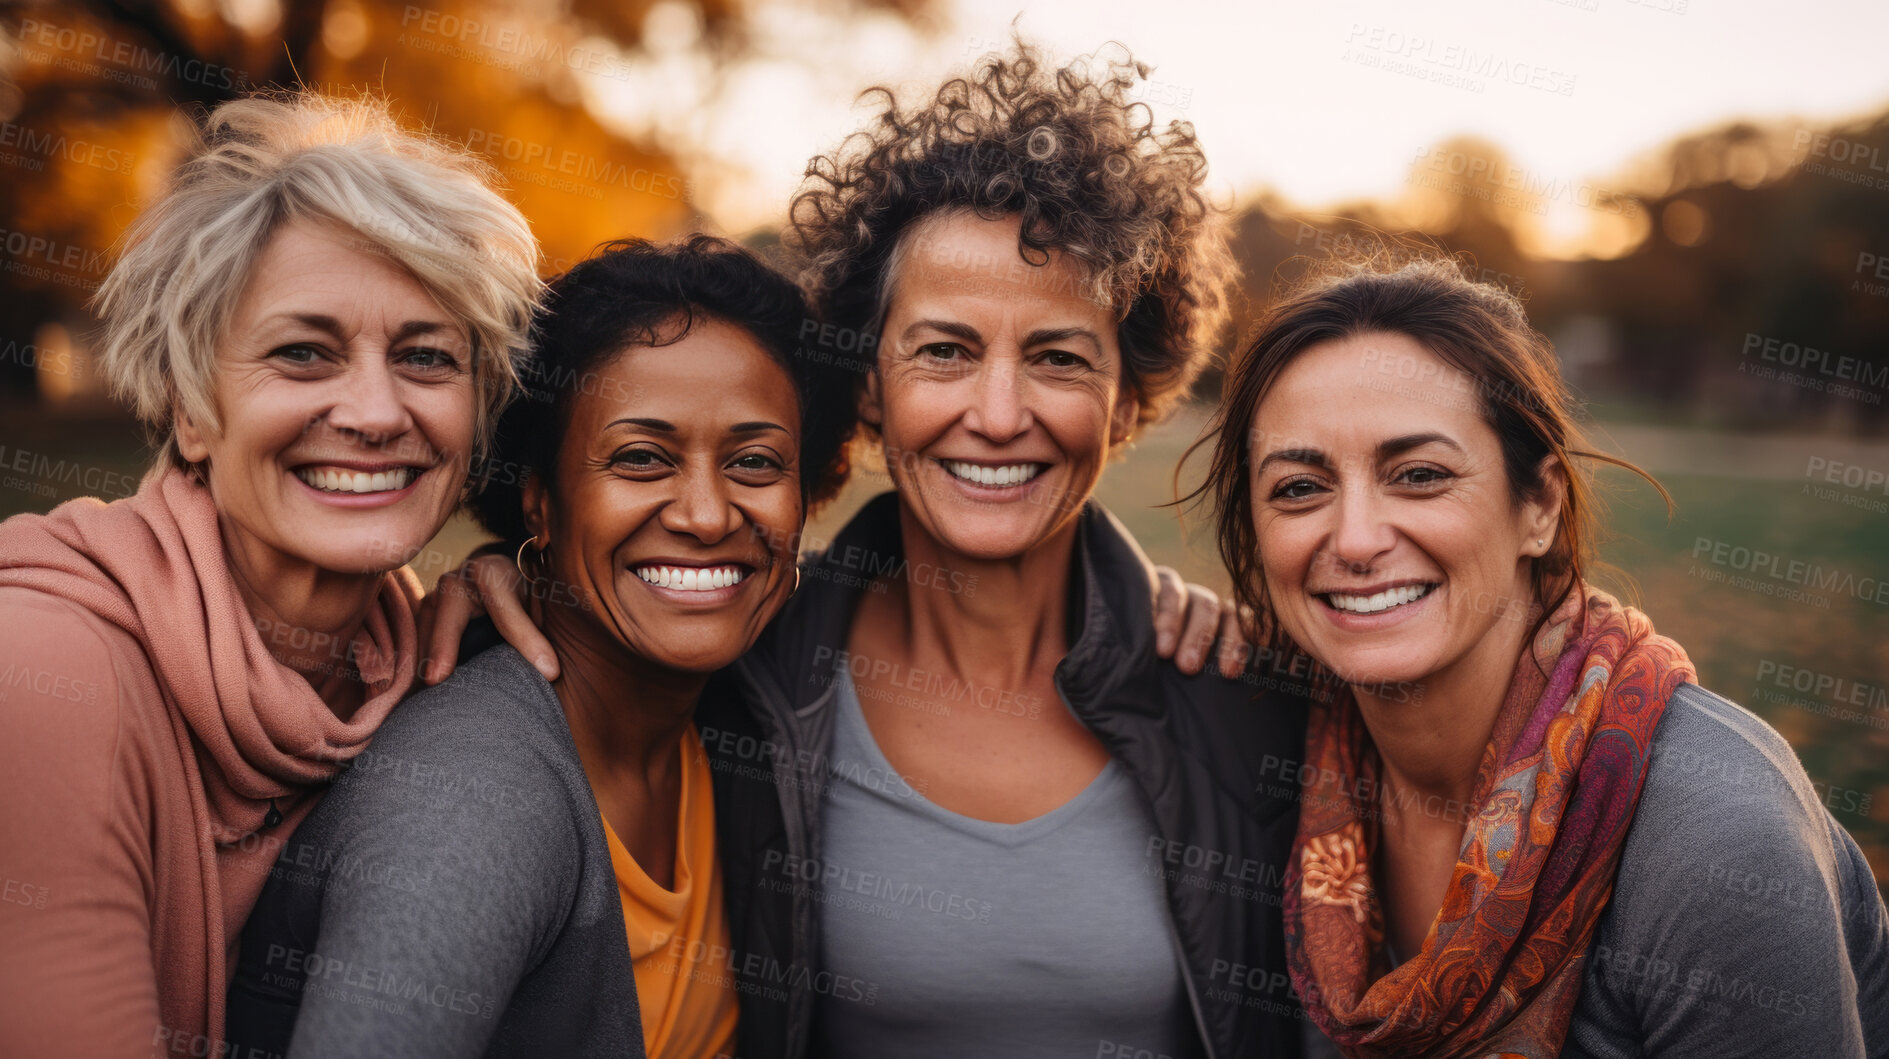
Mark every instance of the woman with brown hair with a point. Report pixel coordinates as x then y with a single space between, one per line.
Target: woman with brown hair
1526 830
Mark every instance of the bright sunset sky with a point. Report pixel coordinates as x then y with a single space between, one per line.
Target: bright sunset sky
1322 101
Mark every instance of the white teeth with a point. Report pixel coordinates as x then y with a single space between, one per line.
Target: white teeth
1381 601
1013 474
339 480
691 578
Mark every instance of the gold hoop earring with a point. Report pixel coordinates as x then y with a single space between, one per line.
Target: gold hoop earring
519 559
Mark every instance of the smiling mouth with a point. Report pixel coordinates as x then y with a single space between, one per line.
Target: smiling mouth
1376 602
692 578
1000 476
343 480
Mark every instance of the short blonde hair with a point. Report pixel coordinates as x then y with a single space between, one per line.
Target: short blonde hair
262 161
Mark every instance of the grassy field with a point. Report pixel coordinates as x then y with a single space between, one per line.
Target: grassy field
1739 638
1737 490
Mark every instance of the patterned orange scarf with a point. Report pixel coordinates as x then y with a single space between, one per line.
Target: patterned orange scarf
1502 966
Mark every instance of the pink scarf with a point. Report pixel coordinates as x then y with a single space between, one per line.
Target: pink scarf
260 738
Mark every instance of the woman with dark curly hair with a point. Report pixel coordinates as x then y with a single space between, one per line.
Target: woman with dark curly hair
1011 828
966 808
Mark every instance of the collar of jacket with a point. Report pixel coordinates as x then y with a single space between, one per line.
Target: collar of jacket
1113 586
1200 767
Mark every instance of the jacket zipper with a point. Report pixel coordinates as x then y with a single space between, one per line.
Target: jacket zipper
793 820
1187 978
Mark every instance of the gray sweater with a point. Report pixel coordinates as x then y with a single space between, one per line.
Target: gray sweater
451 896
1744 919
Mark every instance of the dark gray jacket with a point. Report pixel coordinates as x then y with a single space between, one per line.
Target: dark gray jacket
451 896
1201 749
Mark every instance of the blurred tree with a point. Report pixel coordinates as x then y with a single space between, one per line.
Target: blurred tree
94 93
1759 234
1744 230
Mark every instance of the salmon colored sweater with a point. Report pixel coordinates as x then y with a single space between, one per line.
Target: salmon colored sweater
153 758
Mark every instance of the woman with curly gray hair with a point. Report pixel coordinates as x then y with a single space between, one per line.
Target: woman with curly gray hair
1031 836
1008 826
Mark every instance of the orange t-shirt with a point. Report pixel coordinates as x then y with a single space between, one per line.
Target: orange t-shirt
679 938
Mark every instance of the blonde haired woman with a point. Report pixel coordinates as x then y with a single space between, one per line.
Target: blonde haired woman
297 324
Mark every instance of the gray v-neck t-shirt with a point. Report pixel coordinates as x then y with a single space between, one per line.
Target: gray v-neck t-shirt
1042 939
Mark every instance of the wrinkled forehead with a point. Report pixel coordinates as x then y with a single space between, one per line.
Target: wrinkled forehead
958 255
1352 393
319 272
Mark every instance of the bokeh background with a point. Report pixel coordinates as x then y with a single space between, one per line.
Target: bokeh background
1691 195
